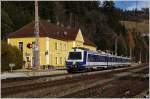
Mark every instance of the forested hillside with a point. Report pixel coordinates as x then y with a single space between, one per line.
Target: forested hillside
99 22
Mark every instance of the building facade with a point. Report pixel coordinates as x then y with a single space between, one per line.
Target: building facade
54 43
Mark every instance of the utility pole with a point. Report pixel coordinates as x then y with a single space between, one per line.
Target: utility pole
145 58
70 19
36 46
116 40
130 52
140 56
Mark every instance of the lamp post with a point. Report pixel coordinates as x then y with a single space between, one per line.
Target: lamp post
116 40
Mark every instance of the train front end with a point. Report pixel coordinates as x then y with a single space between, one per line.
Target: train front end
76 60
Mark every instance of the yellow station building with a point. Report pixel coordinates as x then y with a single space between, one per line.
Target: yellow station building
54 42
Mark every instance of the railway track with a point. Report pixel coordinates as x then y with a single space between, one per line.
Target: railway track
35 79
62 87
126 86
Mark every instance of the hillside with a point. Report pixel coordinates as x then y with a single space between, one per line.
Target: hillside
142 27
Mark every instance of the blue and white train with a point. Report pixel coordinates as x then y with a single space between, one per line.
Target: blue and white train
83 59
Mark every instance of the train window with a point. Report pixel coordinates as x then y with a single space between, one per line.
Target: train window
106 59
96 58
100 58
103 58
74 56
92 58
89 57
114 59
109 59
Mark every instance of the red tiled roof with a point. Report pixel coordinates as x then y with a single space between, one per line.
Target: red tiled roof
49 30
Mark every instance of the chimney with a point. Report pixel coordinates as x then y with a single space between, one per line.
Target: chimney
62 25
57 32
49 21
65 33
58 23
68 26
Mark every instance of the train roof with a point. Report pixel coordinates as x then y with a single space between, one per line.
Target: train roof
98 52
82 48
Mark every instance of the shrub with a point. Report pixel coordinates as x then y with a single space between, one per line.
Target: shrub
10 54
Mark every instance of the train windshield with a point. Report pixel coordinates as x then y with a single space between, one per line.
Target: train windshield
74 56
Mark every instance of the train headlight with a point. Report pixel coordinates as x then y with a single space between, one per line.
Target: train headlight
74 63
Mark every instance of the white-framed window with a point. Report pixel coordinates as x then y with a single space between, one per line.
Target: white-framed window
65 58
56 46
56 60
60 46
78 45
20 46
60 60
28 59
65 47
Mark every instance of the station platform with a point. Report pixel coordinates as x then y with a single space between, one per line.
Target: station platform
30 73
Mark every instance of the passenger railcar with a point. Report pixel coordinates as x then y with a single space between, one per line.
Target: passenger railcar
82 59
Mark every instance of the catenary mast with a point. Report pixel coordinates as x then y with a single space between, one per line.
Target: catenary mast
36 46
